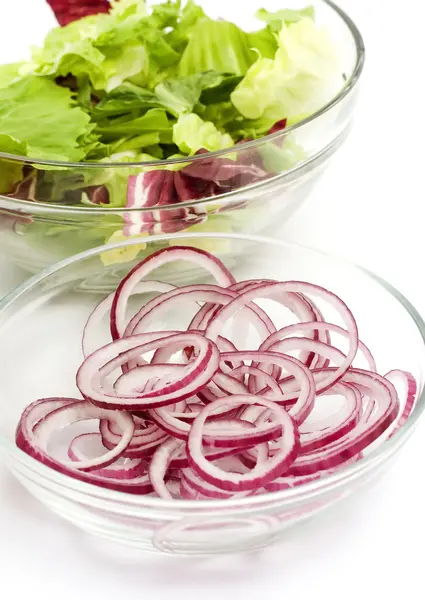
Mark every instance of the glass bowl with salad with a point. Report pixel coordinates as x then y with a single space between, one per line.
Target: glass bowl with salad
163 117
206 417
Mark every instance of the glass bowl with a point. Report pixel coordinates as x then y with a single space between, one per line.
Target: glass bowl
58 209
40 349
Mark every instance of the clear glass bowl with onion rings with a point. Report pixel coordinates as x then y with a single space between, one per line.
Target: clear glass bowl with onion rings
370 390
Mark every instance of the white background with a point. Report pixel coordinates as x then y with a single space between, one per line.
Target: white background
369 207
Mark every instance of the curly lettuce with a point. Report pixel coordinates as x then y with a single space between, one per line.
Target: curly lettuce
296 81
191 134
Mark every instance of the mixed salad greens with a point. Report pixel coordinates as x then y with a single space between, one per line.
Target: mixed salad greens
134 83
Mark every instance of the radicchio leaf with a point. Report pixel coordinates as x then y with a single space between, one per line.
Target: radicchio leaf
279 126
67 11
27 188
98 194
156 189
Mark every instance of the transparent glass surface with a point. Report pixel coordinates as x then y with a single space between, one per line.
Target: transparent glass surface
40 350
56 210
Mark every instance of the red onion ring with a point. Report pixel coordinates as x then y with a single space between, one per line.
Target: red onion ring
127 470
82 411
160 258
187 414
273 289
160 464
321 327
262 473
29 443
207 490
99 364
104 307
193 293
305 400
143 444
410 391
361 436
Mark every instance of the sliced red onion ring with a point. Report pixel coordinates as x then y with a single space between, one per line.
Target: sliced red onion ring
205 314
296 303
159 466
265 380
410 390
89 342
77 452
29 443
276 290
264 471
290 481
206 489
180 460
220 433
41 408
187 492
222 385
345 422
305 381
303 308
209 421
160 258
195 293
313 347
179 425
361 436
149 377
82 411
143 444
91 375
321 327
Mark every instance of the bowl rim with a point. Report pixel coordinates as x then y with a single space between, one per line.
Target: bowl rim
349 84
302 492
284 178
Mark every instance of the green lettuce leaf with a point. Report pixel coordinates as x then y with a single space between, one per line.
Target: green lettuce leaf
137 143
137 27
224 116
217 46
121 64
121 10
242 128
191 133
108 48
275 19
154 120
280 158
182 95
159 81
160 52
219 87
165 15
10 171
66 184
297 81
264 42
9 74
42 116
125 99
191 14
71 50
